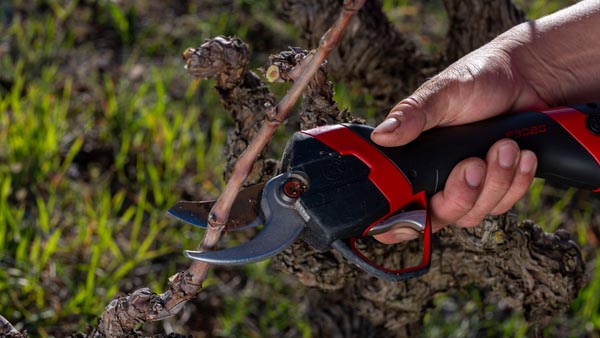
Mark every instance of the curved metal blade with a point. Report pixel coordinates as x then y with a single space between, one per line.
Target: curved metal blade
283 224
270 241
244 211
192 212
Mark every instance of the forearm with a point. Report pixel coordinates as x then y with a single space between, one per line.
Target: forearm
559 55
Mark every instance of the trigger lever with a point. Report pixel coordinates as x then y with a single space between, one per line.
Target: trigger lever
415 220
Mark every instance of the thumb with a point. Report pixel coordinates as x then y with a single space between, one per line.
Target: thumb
426 108
403 124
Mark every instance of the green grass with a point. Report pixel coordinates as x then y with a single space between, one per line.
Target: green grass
90 163
92 156
270 302
72 234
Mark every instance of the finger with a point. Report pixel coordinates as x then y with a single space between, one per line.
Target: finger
397 236
458 197
524 176
424 109
401 126
460 193
501 160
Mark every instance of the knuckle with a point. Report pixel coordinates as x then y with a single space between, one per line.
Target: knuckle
415 101
499 181
498 187
460 204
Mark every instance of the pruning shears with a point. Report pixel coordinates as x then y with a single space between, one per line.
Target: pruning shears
336 186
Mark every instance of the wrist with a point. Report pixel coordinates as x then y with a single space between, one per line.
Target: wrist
559 55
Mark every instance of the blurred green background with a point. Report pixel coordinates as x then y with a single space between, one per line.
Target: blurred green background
102 131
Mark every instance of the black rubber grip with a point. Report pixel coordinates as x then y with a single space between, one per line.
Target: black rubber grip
428 160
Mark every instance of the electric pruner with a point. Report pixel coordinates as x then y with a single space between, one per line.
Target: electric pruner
337 186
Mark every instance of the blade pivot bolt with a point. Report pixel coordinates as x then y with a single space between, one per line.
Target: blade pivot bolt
294 187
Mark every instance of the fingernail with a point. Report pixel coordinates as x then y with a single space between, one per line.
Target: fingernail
474 175
507 155
389 125
528 162
403 234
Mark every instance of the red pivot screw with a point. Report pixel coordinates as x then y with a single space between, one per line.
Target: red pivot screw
294 188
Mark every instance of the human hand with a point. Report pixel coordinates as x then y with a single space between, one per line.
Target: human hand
535 65
483 84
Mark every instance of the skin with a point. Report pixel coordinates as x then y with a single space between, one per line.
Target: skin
544 63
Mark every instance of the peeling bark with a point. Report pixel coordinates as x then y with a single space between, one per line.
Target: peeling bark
318 107
128 311
241 92
9 331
